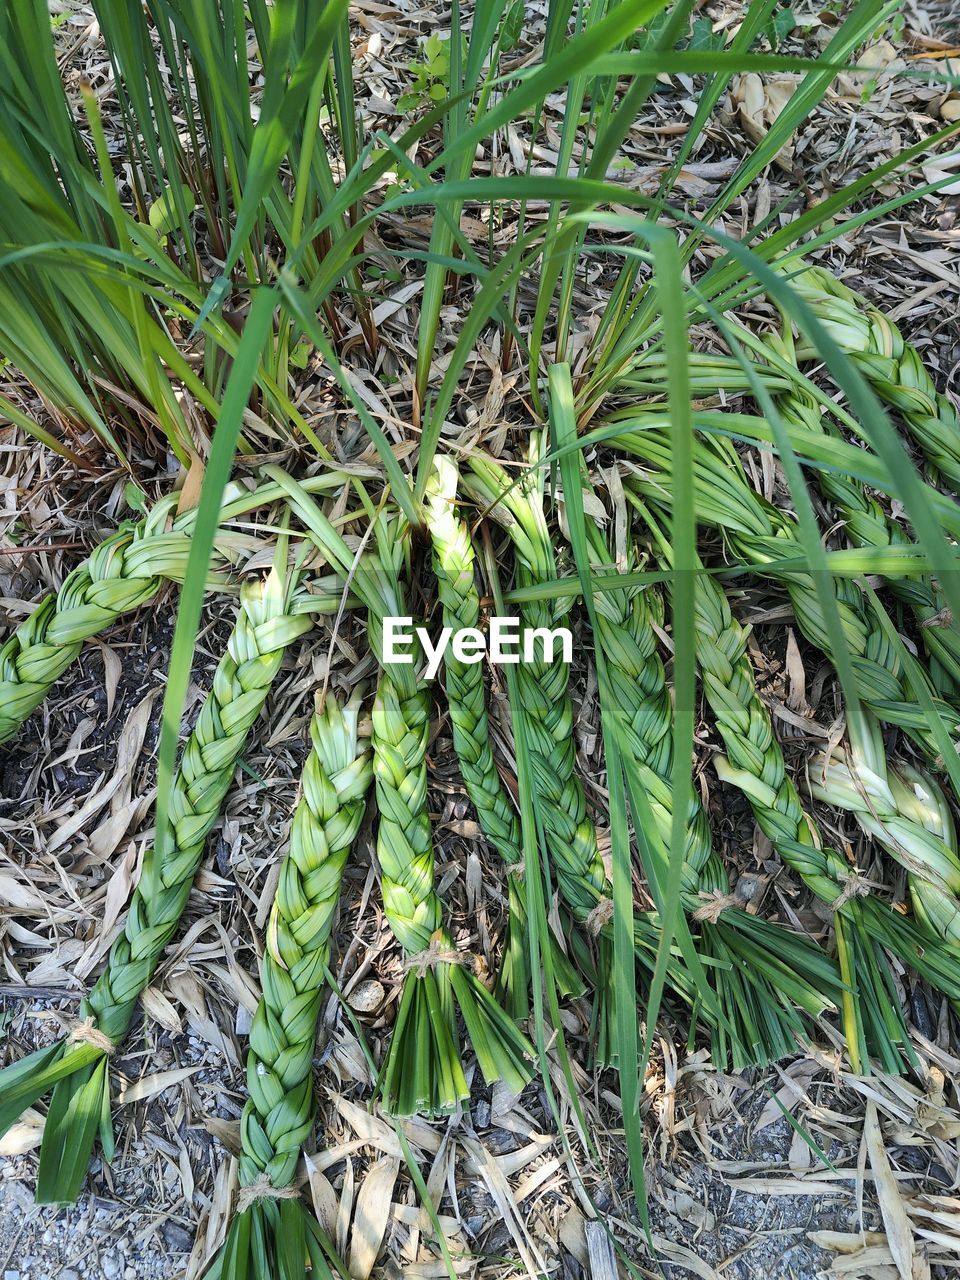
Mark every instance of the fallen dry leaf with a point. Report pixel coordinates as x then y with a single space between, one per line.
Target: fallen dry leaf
372 1215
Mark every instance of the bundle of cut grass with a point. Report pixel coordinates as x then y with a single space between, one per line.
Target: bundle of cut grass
726 501
570 834
754 763
904 810
453 564
422 1071
764 973
274 1236
546 718
867 524
78 1067
762 538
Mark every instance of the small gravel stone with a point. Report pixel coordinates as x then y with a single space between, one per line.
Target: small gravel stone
110 1265
176 1238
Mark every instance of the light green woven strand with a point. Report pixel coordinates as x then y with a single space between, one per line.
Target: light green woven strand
278 1116
453 564
77 1067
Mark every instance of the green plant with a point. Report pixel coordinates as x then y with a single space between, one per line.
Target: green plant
431 73
453 564
273 1235
78 1067
255 204
97 295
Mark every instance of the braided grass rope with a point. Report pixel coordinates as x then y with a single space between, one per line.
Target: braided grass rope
725 500
891 365
569 832
121 574
276 1235
867 525
422 1071
759 535
765 972
78 1066
904 810
804 408
453 565
754 763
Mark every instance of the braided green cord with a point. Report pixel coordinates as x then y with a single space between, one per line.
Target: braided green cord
892 366
773 967
758 535
91 598
627 637
548 720
121 574
543 686
278 1115
867 525
453 564
241 682
422 1070
754 764
904 810
401 730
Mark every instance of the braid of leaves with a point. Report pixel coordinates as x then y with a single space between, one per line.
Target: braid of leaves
114 579
543 686
422 1070
760 535
754 764
453 564
626 635
905 811
121 574
867 525
278 1115
77 1067
892 366
548 720
764 969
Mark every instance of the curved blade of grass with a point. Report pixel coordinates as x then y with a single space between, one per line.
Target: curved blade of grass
217 473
